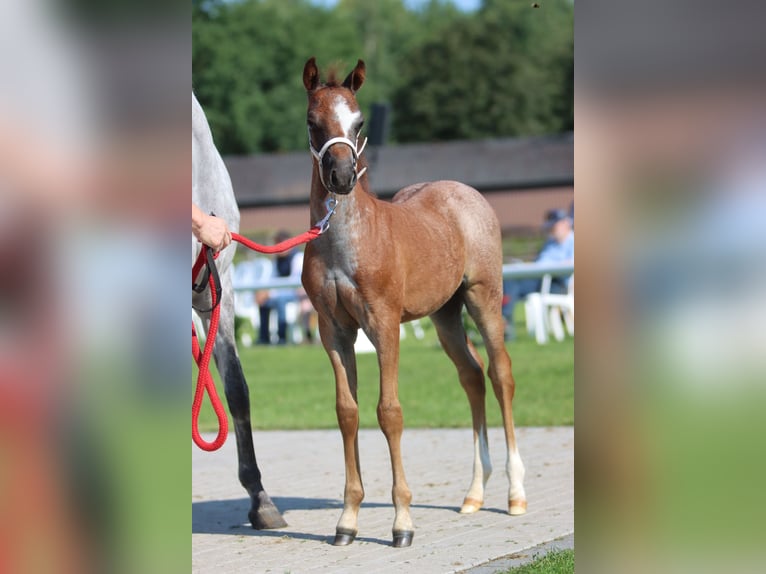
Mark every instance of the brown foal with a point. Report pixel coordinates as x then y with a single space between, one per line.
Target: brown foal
433 249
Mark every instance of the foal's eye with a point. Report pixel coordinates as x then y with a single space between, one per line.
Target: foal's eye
361 125
311 124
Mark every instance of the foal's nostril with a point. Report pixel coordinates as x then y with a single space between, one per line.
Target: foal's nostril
334 177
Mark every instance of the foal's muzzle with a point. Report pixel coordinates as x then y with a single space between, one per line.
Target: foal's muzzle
338 175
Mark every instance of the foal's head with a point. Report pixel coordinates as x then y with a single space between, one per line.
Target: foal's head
334 122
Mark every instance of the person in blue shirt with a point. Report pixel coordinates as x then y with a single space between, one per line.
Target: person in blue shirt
287 264
559 248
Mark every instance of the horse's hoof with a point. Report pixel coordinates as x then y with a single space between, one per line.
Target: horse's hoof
471 505
343 537
267 517
403 539
517 507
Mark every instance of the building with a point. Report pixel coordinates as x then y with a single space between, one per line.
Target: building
521 178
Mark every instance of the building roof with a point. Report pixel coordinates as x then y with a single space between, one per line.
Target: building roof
487 165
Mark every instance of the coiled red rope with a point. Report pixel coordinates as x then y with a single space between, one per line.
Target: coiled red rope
204 378
202 357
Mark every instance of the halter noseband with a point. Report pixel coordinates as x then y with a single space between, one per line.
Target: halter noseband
331 142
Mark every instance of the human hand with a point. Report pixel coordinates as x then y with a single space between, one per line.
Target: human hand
210 230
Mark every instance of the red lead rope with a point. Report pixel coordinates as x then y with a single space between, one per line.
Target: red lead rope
202 358
204 378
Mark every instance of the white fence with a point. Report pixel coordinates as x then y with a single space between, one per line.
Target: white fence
510 271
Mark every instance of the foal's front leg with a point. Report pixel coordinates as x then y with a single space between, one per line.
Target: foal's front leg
339 344
391 422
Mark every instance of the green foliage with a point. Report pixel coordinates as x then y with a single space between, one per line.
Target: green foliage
243 328
247 63
501 72
504 70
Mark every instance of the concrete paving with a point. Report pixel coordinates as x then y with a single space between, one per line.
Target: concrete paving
303 473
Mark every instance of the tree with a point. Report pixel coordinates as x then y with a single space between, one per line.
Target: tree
387 32
248 60
504 72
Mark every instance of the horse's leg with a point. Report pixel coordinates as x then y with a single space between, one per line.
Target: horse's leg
339 344
386 341
449 326
483 300
263 513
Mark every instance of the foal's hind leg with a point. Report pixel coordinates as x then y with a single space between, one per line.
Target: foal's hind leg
449 326
483 301
263 513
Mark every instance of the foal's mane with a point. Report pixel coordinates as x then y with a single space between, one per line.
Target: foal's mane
332 76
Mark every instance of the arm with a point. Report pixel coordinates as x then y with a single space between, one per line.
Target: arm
554 252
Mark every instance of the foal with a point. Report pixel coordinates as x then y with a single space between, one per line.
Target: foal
435 248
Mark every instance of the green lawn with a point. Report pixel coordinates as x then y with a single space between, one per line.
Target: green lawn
292 387
557 562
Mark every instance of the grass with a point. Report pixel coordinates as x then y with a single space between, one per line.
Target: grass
557 562
293 387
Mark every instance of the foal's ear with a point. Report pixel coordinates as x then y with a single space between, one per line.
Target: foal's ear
355 79
311 75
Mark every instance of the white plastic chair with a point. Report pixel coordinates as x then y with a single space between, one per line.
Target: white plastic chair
544 312
364 345
417 330
293 318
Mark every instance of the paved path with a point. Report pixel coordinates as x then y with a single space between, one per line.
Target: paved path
303 473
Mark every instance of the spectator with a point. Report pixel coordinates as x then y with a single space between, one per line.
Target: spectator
559 248
288 264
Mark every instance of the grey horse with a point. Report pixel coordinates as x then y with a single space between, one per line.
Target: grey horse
213 193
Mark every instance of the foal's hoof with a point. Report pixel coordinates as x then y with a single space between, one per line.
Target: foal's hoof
517 507
471 505
267 517
403 539
343 537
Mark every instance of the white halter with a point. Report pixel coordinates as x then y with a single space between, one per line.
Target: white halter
332 141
